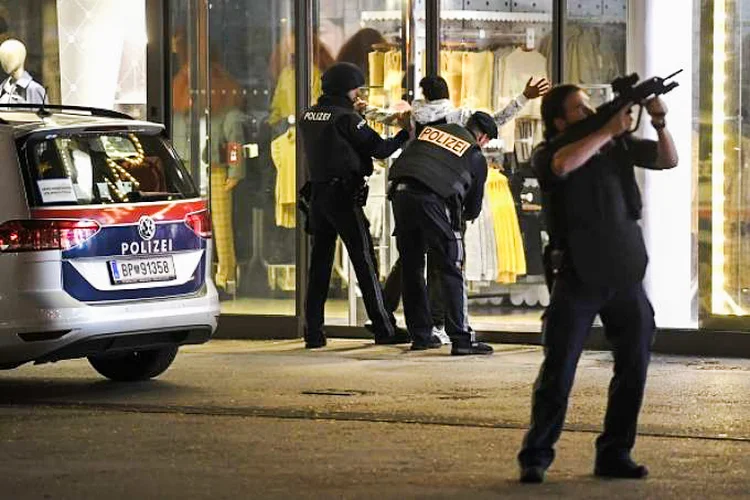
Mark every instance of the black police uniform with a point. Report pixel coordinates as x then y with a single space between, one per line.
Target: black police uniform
339 147
592 216
439 175
392 289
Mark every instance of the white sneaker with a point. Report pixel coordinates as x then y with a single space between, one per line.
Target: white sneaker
440 333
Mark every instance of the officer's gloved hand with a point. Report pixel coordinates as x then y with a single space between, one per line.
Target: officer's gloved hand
360 195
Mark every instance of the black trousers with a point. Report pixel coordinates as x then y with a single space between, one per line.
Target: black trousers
392 289
628 320
423 225
333 213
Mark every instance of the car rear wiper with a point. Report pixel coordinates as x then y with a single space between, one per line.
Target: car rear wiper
136 196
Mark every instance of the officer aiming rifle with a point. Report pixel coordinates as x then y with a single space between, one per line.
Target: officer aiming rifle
591 204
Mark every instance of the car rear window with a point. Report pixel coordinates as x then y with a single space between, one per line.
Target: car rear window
86 168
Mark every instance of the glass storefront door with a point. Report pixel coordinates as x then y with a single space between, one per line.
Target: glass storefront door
252 165
233 110
370 34
488 51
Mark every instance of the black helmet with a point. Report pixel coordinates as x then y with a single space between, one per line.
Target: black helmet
482 122
341 78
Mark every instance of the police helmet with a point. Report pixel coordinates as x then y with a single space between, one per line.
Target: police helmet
341 78
484 123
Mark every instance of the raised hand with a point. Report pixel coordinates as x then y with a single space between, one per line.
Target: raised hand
534 90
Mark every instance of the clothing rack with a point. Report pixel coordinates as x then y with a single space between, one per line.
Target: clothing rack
597 20
463 15
491 16
479 35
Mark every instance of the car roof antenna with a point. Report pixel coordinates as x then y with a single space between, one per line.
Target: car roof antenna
42 112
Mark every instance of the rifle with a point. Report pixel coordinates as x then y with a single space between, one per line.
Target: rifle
628 92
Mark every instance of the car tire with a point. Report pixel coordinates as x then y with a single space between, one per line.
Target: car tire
135 365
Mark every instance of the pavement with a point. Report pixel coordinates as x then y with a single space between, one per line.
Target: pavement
269 419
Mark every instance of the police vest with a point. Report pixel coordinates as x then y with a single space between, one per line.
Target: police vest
329 155
419 127
439 159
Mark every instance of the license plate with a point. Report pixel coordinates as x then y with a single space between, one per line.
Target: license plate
126 271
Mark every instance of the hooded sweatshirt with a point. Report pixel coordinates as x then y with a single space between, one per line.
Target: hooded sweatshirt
442 111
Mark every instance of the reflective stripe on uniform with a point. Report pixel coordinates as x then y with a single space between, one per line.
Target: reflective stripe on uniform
371 269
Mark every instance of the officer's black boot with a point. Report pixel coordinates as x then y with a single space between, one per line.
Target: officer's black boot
433 342
533 474
619 467
315 340
468 348
400 336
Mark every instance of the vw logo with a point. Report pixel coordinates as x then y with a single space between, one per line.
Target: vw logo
146 227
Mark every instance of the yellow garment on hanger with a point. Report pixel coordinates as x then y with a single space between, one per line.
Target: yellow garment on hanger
511 259
283 101
283 156
376 66
451 68
392 76
476 80
573 59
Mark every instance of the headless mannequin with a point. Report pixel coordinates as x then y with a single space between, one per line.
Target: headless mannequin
19 87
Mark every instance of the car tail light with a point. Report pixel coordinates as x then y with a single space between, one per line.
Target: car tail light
200 223
41 234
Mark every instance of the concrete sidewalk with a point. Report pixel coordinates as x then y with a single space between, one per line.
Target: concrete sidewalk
268 419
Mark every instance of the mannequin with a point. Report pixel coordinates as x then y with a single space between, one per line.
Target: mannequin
19 87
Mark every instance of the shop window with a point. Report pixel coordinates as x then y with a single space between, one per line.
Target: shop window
724 165
232 122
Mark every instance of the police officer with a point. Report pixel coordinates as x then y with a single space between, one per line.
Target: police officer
436 184
592 205
339 147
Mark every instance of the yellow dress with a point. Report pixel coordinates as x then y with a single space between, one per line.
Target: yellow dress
511 260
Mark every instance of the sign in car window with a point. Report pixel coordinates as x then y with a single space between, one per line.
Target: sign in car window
57 190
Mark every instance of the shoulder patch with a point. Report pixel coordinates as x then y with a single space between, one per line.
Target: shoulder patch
447 141
361 123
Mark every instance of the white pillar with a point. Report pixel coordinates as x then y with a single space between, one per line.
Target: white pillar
660 42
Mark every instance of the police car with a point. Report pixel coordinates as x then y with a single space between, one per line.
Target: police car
105 243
